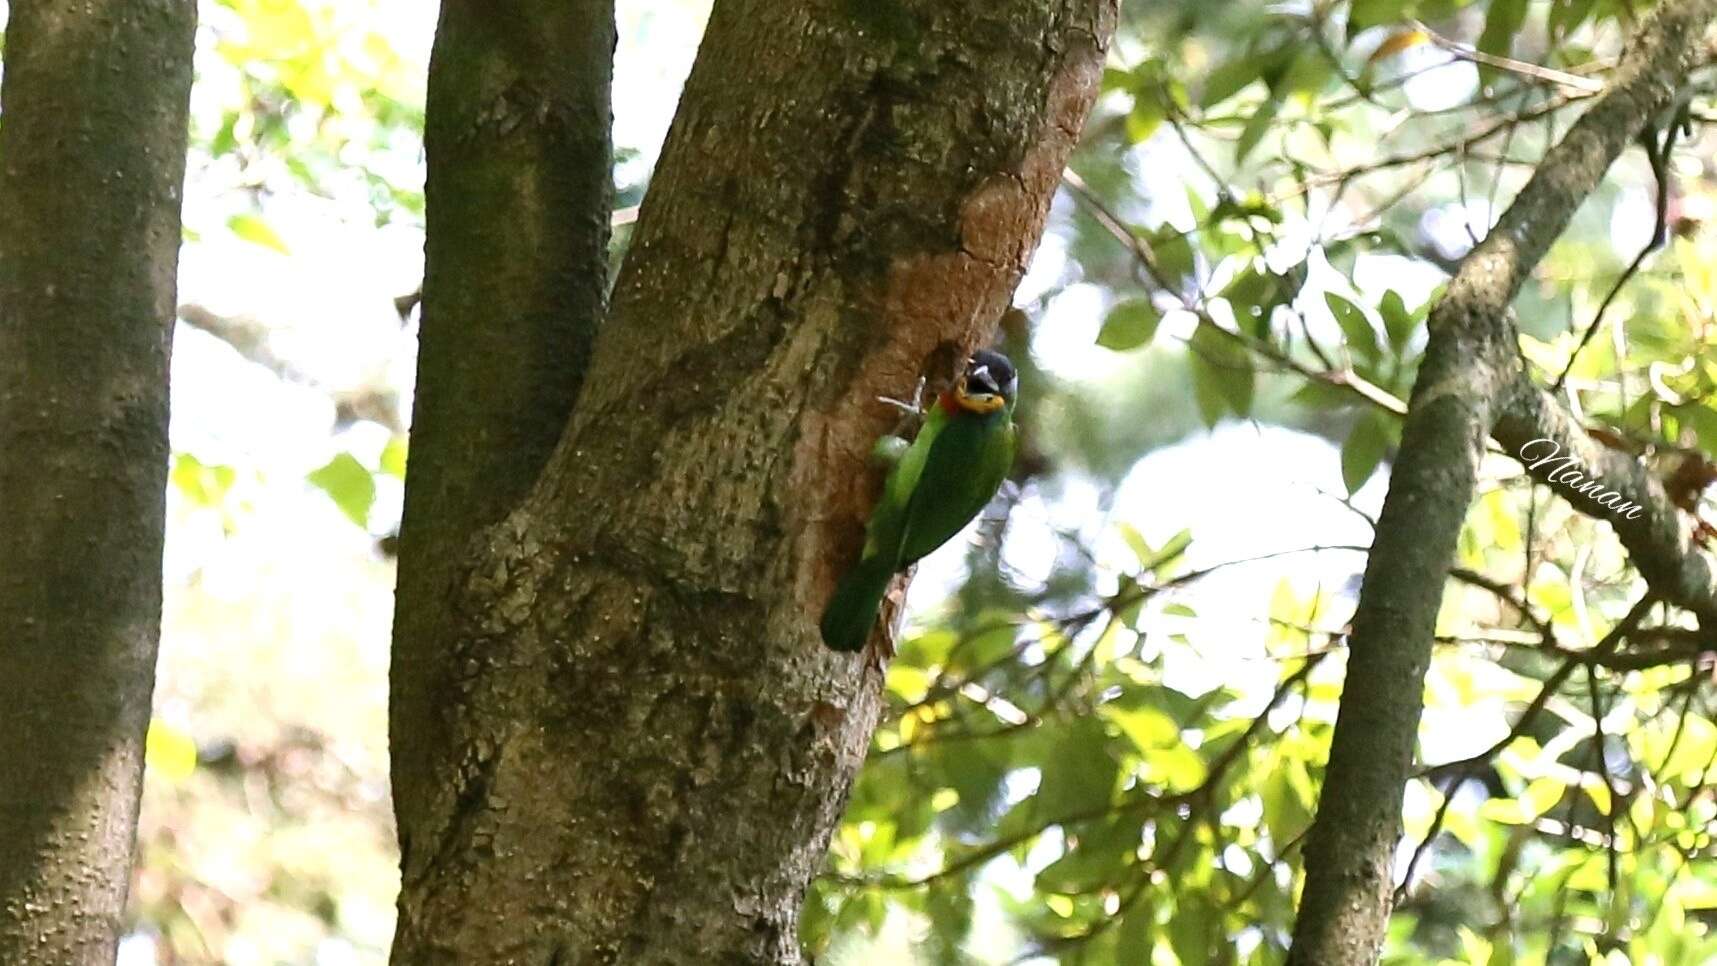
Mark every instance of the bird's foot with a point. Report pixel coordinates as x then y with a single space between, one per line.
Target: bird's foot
913 408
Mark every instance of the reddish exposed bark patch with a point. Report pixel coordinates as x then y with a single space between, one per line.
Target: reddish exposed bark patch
936 308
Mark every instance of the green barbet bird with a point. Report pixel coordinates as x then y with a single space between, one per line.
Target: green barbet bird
937 485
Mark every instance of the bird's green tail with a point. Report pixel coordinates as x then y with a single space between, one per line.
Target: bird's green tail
852 610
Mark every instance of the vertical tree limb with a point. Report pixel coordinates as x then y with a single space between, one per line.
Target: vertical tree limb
517 131
92 158
1470 371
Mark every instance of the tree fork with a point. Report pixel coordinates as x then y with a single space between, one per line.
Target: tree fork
648 746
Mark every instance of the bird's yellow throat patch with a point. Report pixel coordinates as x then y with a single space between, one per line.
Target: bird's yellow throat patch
982 403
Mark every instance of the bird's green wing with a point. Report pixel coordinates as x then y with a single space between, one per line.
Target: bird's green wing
887 527
962 471
851 610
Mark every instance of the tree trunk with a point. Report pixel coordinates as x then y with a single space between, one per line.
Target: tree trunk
92 158
641 745
1470 378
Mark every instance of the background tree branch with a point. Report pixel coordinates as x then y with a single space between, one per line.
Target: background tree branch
1471 365
1658 540
252 338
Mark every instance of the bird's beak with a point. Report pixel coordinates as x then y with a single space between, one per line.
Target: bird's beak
978 392
981 379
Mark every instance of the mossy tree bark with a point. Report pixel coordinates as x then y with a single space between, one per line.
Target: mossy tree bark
92 157
1472 385
627 743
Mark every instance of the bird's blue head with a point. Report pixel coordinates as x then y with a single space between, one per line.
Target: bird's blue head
988 384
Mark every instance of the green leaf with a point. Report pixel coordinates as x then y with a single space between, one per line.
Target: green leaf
1224 377
1355 327
1176 768
1173 253
1116 80
1101 856
1397 321
1195 929
1257 126
976 772
989 637
1255 293
1079 774
1166 559
1232 77
1148 728
225 140
1501 23
1130 324
349 485
393 457
1286 814
1366 445
1317 394
1373 13
1144 119
1308 74
253 229
1137 934
200 483
1136 542
1702 420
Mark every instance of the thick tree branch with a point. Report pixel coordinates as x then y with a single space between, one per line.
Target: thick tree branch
519 192
1469 372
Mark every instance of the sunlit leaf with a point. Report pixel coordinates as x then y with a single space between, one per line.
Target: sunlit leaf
169 752
253 229
349 485
393 458
200 483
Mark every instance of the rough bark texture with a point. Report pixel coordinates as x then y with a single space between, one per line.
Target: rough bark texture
92 156
519 192
646 746
1470 373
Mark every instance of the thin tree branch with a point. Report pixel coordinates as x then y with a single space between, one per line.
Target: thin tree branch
253 340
